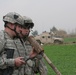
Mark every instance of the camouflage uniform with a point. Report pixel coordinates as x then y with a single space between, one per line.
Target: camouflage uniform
39 65
7 43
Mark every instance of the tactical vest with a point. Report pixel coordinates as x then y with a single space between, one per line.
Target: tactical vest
9 53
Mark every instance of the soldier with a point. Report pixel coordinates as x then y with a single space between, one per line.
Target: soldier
12 58
39 65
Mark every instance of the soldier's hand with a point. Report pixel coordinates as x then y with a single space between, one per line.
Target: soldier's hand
33 53
19 61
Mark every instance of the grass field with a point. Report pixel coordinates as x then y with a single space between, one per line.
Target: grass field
69 39
63 57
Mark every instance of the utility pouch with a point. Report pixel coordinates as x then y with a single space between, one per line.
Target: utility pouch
9 53
8 70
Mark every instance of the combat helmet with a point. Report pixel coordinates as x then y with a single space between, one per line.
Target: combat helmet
28 23
13 17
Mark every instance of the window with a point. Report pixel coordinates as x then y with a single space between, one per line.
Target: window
43 36
48 36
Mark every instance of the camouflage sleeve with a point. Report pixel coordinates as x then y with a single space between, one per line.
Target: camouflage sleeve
2 43
42 67
4 62
39 66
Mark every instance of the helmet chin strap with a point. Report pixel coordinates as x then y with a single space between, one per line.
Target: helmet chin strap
17 34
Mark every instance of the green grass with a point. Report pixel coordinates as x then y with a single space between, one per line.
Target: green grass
72 39
63 57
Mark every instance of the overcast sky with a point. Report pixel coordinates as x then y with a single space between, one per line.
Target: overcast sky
44 13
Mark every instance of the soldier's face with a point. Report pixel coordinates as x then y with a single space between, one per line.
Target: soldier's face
22 31
25 32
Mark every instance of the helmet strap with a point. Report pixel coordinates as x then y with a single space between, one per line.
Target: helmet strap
17 34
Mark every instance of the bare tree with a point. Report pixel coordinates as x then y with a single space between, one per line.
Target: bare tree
34 33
